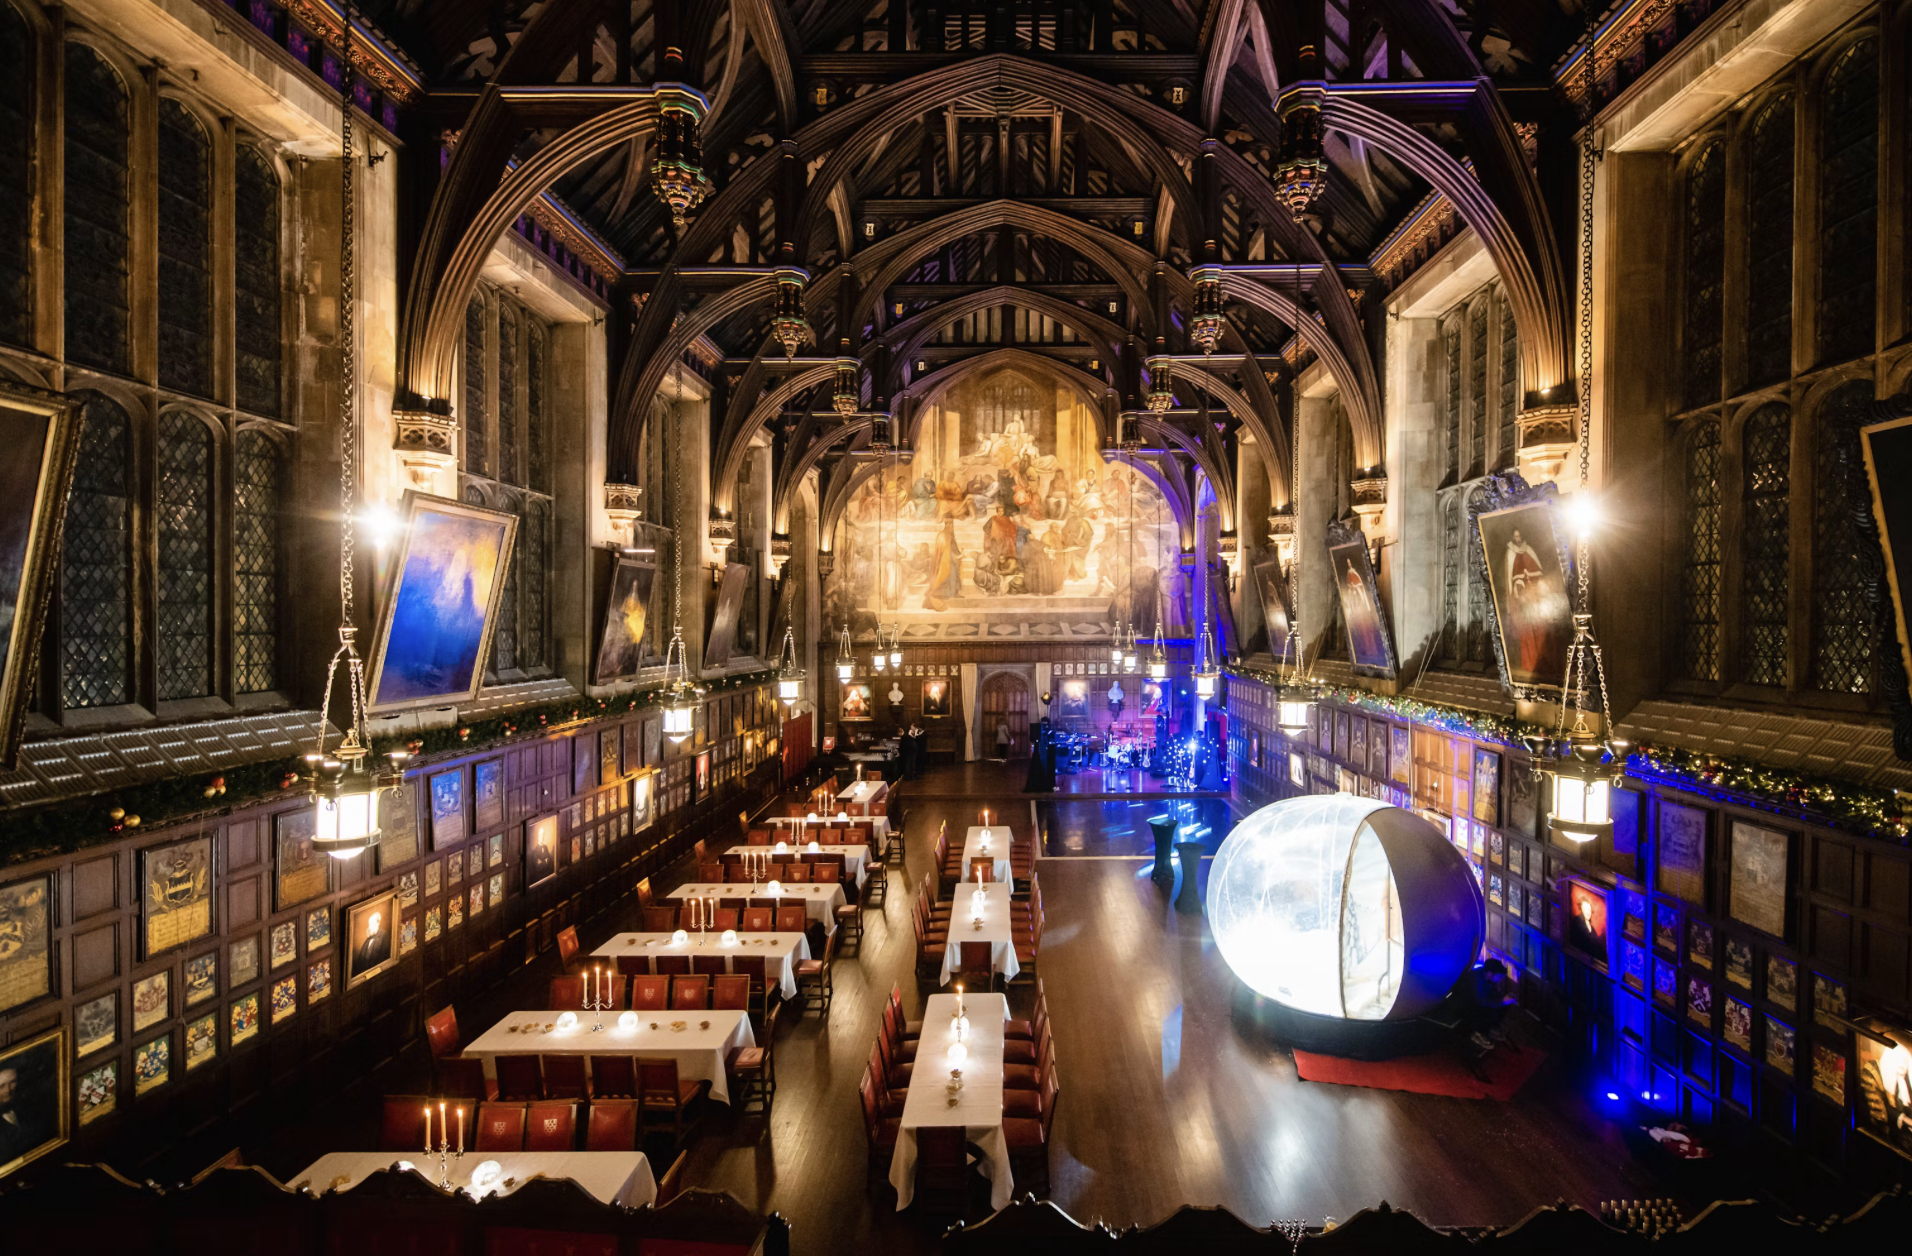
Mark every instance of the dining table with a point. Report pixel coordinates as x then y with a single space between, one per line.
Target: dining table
614 1177
819 901
699 1041
781 951
856 859
982 913
957 1089
879 825
989 842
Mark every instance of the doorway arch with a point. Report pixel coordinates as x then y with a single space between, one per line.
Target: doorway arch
1004 698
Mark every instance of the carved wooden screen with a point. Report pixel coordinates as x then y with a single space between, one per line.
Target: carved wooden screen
510 468
95 209
256 281
1766 545
1705 273
16 177
1700 557
1769 243
255 534
184 513
1842 620
1849 203
96 563
185 251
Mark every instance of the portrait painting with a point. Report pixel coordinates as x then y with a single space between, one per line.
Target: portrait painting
1782 982
33 1082
1358 743
1527 583
1378 750
302 872
41 432
448 808
608 769
433 879
859 701
1633 966
1072 702
1779 1044
440 604
1370 644
495 850
487 794
1154 698
1006 510
176 891
370 930
1736 1025
1666 983
1486 786
398 825
26 957
242 1019
722 642
202 1040
703 773
202 978
152 1000
434 923
474 860
1829 1072
477 902
285 943
495 888
623 639
935 699
1272 583
242 962
98 1091
152 1064
1756 893
643 801
455 911
96 1024
1680 854
1587 920
540 851
285 998
1400 753
1885 1086
1666 929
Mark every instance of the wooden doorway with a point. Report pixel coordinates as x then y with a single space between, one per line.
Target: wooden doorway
1005 700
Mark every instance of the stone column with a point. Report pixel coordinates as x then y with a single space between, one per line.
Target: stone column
1315 417
1415 466
581 502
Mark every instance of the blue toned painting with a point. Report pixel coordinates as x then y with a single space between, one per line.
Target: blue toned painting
433 648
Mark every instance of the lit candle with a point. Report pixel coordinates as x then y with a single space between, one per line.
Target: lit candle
959 1000
586 1000
428 1129
461 1131
443 1129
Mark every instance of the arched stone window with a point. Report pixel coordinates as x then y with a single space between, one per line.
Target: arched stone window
1766 545
1849 203
183 507
96 212
96 562
1769 242
1705 267
1700 555
185 251
256 281
1843 634
256 476
16 177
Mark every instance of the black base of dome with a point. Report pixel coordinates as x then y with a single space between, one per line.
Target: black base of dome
1332 1035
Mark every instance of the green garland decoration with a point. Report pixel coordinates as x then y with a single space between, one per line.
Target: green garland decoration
1481 725
72 824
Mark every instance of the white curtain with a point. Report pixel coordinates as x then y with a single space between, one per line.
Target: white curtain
970 699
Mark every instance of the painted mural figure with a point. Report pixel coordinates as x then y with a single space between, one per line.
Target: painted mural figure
1364 629
1529 607
946 573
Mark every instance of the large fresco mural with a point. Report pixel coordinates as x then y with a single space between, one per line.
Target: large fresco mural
1007 522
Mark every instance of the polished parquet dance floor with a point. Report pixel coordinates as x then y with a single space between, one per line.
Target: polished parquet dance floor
1170 1095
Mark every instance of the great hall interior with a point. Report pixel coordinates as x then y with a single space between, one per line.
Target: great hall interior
1351 542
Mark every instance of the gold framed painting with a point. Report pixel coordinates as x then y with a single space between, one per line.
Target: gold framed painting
41 434
26 964
33 1110
176 894
369 931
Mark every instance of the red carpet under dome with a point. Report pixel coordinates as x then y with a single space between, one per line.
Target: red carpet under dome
1506 1071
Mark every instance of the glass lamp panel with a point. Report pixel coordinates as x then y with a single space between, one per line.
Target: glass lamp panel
1372 935
1598 795
1570 799
1204 686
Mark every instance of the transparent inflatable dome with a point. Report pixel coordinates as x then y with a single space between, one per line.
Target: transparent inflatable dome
1344 907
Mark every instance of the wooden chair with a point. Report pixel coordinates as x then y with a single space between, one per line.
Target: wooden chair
613 1077
564 994
461 1078
895 1073
734 904
650 993
402 1127
612 1126
519 1077
672 1182
756 969
709 965
879 1129
568 946
724 918
500 1127
671 965
793 919
644 896
690 994
660 919
735 873
1028 1138
753 1070
975 966
633 965
661 1092
795 873
730 992
551 1126
758 920
700 852
892 1098
942 1169
813 977
564 1076
826 869
982 868
758 837
441 1033
709 873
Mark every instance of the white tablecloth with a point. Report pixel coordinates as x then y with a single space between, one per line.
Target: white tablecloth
615 1177
997 929
999 839
819 901
783 950
700 1053
978 1105
879 825
856 859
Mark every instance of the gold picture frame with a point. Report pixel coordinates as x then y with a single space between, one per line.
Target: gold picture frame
34 1085
34 516
371 938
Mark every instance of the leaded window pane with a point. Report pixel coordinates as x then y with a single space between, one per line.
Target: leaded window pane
1452 350
96 563
1765 575
184 514
1842 619
1705 274
1477 388
534 405
256 283
16 177
509 468
1700 561
1509 439
255 551
185 251
472 421
1453 554
1849 204
534 540
1769 243
95 211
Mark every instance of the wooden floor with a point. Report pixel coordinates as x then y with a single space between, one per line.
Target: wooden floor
1170 1095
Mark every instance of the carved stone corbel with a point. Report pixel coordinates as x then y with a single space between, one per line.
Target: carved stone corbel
424 444
1370 499
1546 437
622 507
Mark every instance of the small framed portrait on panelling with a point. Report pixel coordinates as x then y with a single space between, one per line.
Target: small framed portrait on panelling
1782 982
703 773
624 634
935 698
488 794
302 873
1758 878
1271 583
1486 786
96 1024
152 999
608 768
1679 866
1699 944
370 930
448 578
1586 921
33 1082
858 700
540 851
584 763
1885 1084
398 825
176 894
448 808
26 964
1370 643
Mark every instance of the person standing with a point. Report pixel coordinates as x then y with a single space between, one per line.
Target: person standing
1002 739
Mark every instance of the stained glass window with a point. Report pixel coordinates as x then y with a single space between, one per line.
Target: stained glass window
184 514
534 405
255 551
96 563
509 469
95 209
1849 203
1509 440
16 177
1766 544
185 251
1842 619
1699 559
256 282
1769 243
1477 388
534 540
1705 273
472 423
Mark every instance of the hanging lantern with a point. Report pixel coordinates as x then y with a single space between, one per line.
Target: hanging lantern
879 658
1161 384
1301 172
1115 650
846 397
789 674
1294 707
896 647
677 171
846 657
680 693
1205 326
788 326
1582 767
1207 674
